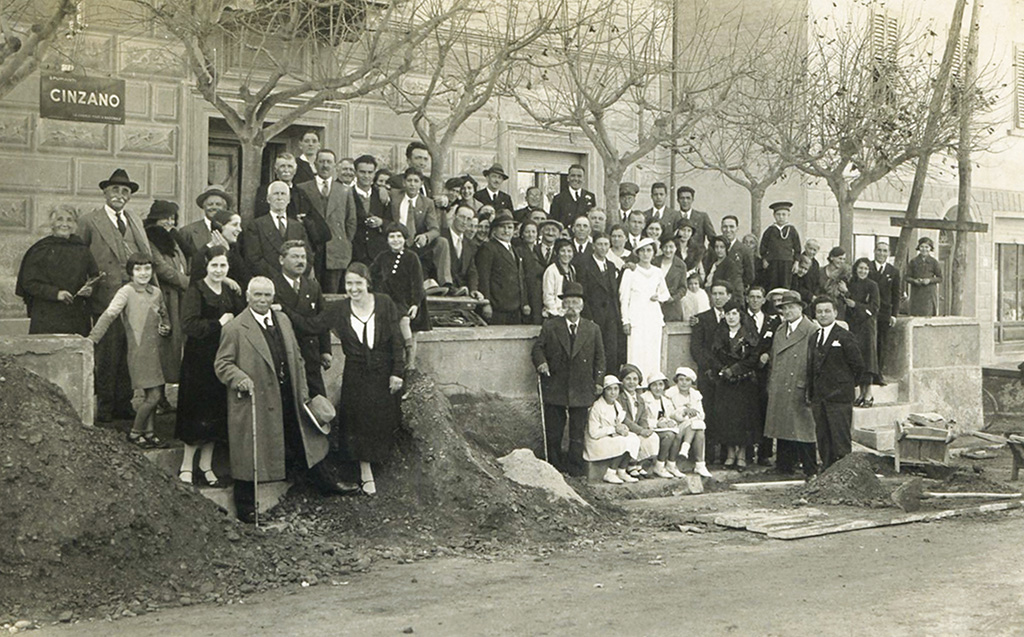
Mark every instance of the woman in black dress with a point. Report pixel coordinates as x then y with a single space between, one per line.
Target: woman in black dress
533 271
370 412
737 405
862 300
398 273
202 417
51 277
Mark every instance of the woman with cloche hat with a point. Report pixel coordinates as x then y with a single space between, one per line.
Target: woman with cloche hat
607 434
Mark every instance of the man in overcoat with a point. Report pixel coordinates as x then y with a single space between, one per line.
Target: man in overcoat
258 360
500 272
834 368
569 356
198 233
113 234
264 235
600 280
491 193
701 339
302 300
789 419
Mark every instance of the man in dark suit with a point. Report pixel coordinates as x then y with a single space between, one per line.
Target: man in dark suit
417 213
264 235
738 258
581 241
491 194
113 234
887 277
574 201
417 156
627 197
550 231
198 233
302 299
701 338
501 274
660 210
328 199
371 211
465 277
534 201
305 169
766 325
569 356
600 280
285 166
833 370
703 229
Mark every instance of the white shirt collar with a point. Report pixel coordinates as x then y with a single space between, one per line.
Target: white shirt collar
493 193
290 280
795 324
576 194
209 225
360 191
412 200
262 318
827 330
112 214
506 244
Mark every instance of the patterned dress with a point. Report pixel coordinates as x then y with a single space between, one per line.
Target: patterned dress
142 311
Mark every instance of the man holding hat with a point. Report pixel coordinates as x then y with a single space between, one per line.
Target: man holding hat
113 233
569 356
198 233
780 246
491 194
259 360
500 271
574 200
627 197
789 418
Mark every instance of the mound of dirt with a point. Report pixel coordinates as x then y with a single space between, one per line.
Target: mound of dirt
499 425
91 528
969 481
441 486
851 481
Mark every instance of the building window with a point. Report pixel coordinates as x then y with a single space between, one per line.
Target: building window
864 246
1011 282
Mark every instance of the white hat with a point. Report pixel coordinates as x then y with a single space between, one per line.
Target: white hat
655 377
610 380
646 241
685 371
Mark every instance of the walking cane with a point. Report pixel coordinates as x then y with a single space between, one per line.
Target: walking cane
255 462
543 422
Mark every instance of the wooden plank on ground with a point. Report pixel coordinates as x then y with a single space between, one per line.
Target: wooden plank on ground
776 484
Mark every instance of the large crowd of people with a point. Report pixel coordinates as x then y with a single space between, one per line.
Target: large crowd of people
235 313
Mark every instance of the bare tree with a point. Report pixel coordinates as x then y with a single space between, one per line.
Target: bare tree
27 29
609 76
463 65
248 58
865 92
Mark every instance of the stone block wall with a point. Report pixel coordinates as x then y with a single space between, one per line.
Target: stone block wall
65 361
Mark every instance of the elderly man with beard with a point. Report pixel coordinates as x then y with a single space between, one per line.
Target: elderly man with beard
569 356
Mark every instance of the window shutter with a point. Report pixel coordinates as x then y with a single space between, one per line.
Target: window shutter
1018 76
884 36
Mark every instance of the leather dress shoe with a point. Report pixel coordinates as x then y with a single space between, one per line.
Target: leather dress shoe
338 488
248 517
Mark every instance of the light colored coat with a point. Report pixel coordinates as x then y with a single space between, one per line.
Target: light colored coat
244 353
339 211
110 251
789 416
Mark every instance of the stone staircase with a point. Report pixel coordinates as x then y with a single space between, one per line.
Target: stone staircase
170 461
874 427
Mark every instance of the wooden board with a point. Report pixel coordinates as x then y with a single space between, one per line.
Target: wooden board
938 224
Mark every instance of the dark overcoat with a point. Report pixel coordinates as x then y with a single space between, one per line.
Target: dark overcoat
574 373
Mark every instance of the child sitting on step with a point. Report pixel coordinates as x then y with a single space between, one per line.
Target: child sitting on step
688 411
607 435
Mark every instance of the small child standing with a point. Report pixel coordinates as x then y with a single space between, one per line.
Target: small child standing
607 434
688 411
140 305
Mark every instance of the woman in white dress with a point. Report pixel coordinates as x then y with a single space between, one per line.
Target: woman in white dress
641 294
555 276
607 434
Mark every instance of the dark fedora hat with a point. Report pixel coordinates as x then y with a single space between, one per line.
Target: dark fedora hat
790 297
503 217
161 210
212 190
571 289
120 178
497 169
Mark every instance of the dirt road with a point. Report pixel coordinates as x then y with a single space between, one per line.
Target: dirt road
956 577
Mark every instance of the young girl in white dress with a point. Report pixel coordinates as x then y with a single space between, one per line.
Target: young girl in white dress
659 414
688 411
607 434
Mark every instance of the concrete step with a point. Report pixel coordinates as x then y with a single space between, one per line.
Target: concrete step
170 461
872 417
887 395
880 437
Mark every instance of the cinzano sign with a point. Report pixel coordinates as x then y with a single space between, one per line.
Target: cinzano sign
81 99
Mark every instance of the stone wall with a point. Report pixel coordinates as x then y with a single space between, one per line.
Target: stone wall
65 361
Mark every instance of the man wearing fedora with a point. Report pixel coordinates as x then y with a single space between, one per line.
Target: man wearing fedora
500 272
789 419
569 356
198 233
259 360
491 193
113 233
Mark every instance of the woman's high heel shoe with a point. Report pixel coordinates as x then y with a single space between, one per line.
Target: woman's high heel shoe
211 479
867 402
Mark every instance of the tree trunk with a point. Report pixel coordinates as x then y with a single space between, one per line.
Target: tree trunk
934 111
252 166
756 201
964 168
438 165
613 172
846 205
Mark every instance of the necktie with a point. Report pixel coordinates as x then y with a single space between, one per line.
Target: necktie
821 338
281 227
572 333
574 198
268 324
457 241
295 285
122 227
325 188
